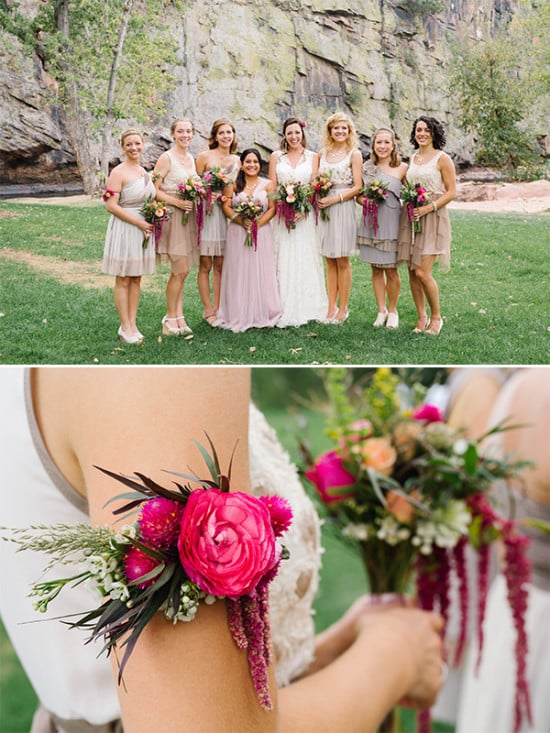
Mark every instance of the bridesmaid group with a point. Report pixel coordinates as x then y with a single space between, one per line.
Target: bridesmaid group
265 266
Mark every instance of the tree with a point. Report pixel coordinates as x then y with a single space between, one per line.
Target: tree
496 83
112 59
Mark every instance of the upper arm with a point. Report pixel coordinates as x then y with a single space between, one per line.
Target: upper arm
273 158
314 165
448 174
127 420
162 167
228 199
357 168
202 161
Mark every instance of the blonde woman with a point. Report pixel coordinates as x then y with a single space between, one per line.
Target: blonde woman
378 244
222 146
178 241
124 256
341 160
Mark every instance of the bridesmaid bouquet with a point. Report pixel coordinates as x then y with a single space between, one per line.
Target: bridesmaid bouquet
214 181
292 198
155 212
193 189
411 493
187 547
321 184
374 193
414 195
251 209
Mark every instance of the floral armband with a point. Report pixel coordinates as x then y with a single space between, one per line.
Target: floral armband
108 193
188 546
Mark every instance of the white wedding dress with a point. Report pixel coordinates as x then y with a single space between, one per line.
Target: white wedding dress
70 680
299 263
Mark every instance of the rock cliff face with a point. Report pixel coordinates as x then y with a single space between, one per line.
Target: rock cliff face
259 61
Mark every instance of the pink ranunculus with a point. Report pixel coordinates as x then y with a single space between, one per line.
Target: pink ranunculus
330 478
379 454
226 544
429 413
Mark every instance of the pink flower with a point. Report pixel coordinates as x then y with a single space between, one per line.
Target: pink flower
226 544
429 413
280 513
379 454
159 522
330 478
137 564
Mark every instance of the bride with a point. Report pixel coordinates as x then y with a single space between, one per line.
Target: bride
299 263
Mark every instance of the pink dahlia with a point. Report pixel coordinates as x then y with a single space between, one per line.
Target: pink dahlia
159 522
137 564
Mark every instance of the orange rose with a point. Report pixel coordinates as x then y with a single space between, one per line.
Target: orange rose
400 507
379 454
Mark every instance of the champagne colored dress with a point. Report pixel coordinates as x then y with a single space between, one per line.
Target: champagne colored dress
214 230
339 235
178 240
124 254
435 235
380 248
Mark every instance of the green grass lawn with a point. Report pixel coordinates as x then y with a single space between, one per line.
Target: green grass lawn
56 307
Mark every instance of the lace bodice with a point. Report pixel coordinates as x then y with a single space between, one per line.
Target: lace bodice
428 175
300 174
176 174
340 172
292 591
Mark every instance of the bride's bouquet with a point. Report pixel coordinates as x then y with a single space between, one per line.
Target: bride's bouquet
292 198
411 493
187 547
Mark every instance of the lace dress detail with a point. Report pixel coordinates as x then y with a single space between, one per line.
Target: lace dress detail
299 263
339 234
435 236
293 590
178 239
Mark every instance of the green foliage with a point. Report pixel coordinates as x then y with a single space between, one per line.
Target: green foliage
423 7
496 82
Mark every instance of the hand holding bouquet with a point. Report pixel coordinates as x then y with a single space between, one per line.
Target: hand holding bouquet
155 212
413 196
250 209
321 184
192 189
214 181
411 492
374 192
292 198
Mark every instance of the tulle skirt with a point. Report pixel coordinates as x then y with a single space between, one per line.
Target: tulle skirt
178 241
214 232
338 236
433 239
124 254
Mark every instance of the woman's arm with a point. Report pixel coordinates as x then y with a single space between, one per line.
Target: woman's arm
448 174
269 213
273 159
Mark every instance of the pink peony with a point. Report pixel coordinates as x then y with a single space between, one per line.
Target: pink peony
137 564
429 413
226 544
330 478
159 522
379 454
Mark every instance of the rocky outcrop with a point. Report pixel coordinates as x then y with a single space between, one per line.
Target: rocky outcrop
259 61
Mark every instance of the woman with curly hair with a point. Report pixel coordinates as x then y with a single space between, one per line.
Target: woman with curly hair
433 170
341 161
